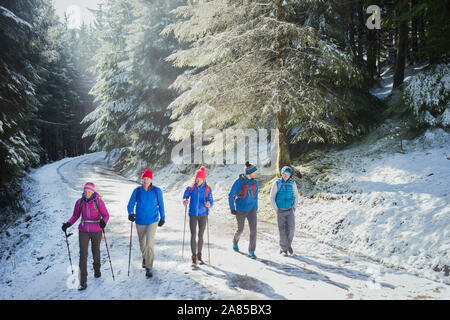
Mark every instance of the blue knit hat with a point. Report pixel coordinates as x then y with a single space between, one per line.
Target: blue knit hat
286 169
249 168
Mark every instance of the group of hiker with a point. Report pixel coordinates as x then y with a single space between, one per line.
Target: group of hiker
146 210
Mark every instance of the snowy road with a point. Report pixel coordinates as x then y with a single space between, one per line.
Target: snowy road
35 265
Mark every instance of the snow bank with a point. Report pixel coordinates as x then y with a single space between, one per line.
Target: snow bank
384 200
427 95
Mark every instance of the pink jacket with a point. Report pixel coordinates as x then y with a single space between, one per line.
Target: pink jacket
89 213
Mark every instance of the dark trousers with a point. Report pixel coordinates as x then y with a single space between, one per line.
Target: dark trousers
193 222
240 218
286 226
95 238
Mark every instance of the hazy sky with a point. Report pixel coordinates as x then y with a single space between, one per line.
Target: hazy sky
77 10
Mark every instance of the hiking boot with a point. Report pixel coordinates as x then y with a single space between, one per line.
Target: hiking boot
148 273
235 247
291 251
82 287
97 274
199 258
284 253
252 255
194 261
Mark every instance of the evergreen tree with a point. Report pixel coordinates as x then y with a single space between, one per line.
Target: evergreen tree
132 86
253 61
151 78
112 86
19 148
60 133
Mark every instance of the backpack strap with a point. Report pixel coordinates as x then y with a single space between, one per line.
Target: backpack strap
243 192
138 193
253 188
81 211
156 195
192 189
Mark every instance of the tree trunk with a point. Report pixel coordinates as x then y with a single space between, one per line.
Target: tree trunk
371 52
361 28
402 45
414 35
283 157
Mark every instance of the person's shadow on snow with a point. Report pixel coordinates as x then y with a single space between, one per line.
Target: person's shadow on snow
300 272
246 282
352 274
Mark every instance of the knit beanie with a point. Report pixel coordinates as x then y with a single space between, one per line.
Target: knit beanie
249 168
89 186
201 173
286 169
147 174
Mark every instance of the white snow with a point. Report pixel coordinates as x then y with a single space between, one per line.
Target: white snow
9 14
34 259
388 204
387 78
429 91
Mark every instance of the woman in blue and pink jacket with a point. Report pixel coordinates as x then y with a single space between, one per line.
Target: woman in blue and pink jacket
201 200
94 217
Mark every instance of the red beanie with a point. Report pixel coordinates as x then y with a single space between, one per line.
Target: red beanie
147 174
201 173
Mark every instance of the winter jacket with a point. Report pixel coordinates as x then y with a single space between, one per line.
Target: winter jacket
149 205
284 194
90 217
198 198
250 201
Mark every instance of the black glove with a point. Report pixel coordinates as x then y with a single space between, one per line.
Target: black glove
65 226
102 224
132 217
233 211
161 223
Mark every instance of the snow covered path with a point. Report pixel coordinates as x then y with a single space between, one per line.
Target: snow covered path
34 263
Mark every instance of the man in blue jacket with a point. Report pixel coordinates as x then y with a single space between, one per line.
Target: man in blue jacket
148 200
243 201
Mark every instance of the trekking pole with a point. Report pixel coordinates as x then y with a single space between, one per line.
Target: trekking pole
129 255
68 250
207 230
107 250
184 230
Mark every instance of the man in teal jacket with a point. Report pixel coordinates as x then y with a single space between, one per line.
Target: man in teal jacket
284 198
243 201
148 200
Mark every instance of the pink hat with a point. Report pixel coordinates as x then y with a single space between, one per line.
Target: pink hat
146 173
89 186
201 173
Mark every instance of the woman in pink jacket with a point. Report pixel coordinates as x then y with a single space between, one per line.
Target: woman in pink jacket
94 217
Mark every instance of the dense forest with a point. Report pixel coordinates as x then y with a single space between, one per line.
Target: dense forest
136 80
